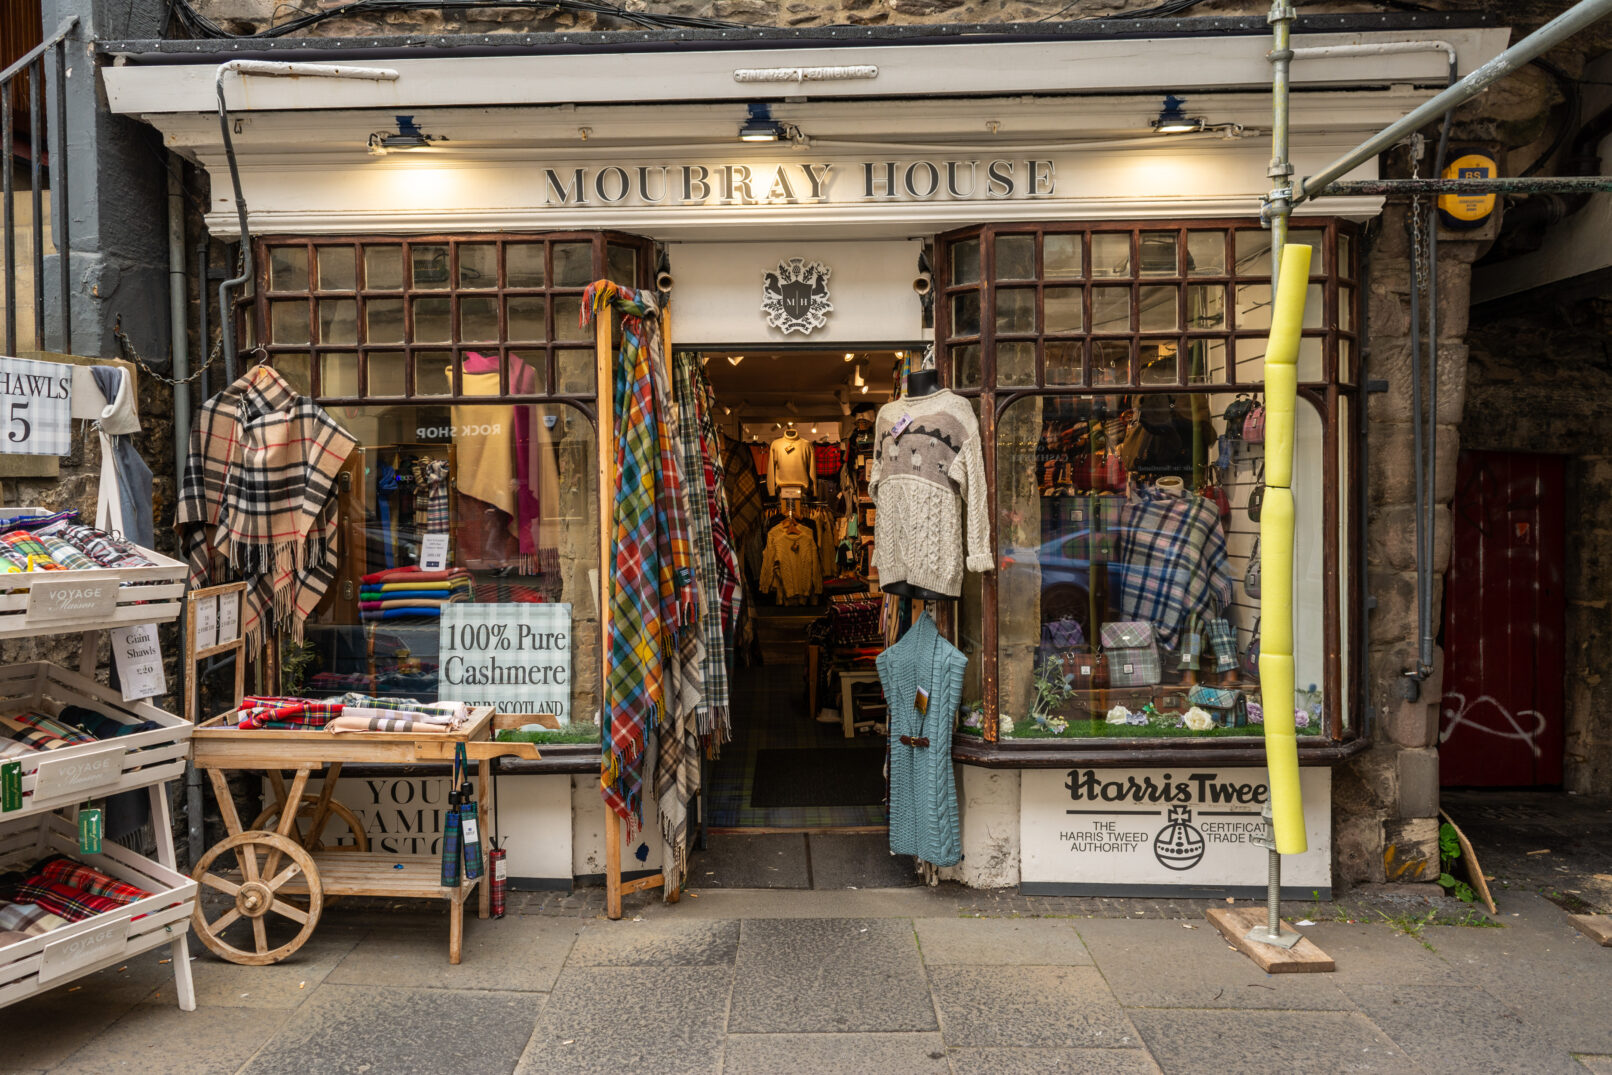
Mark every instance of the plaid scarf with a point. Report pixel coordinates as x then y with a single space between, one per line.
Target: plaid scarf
450 713
64 871
30 551
52 726
1172 562
28 919
31 738
270 712
653 669
73 904
259 492
98 545
65 554
382 720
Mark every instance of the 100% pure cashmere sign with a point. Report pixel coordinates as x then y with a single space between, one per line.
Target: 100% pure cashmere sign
514 657
36 407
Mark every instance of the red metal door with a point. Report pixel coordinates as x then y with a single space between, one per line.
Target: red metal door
1502 723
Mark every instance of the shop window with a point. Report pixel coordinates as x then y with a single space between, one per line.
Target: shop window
1115 383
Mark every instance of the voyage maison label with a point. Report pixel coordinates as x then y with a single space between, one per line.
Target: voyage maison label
798 183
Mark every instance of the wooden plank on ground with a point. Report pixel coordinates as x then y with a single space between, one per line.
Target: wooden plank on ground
1597 927
1469 859
1303 958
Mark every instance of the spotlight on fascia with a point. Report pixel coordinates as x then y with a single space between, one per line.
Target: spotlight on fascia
864 390
814 429
759 126
734 360
1173 120
408 136
849 355
901 354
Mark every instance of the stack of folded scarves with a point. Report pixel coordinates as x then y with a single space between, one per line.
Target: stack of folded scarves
267 711
58 543
401 592
352 712
56 891
23 733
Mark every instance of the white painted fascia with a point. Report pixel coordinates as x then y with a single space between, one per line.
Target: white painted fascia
1176 64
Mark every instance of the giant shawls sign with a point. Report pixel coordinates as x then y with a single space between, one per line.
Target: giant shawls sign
1149 832
36 403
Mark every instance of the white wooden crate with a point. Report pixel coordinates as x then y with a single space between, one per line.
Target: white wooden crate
52 779
144 594
50 959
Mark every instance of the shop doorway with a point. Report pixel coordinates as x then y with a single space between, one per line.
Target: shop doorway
805 764
1502 721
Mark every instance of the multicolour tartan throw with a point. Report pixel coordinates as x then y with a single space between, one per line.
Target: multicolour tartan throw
98 545
30 550
64 871
258 711
43 723
652 671
63 552
73 904
29 919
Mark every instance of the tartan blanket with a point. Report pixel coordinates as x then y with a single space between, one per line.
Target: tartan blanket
64 871
451 713
30 551
44 723
259 492
261 711
98 545
65 901
31 738
385 720
652 669
29 919
63 552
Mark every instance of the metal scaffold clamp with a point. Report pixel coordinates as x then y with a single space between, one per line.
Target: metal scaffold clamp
1272 932
1279 196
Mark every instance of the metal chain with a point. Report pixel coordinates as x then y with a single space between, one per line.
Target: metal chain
126 347
1418 146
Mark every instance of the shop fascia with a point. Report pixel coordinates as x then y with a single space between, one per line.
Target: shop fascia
799 182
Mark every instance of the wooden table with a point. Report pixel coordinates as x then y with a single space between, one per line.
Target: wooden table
276 866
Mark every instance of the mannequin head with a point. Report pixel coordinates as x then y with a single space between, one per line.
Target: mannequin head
1170 485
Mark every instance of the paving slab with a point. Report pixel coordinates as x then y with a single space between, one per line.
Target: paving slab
1041 1007
829 976
1598 1065
510 954
1193 1041
1460 1029
840 1054
1038 1061
43 1030
858 860
612 1020
1001 942
662 942
161 1038
285 984
1163 964
766 860
1371 953
356 1030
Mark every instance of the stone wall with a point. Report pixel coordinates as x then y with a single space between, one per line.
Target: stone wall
1540 378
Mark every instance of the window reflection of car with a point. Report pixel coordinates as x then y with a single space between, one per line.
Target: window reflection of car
1064 564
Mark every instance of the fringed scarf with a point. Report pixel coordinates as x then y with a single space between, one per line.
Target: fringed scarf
653 679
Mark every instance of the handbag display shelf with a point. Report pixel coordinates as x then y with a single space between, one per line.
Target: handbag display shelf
66 777
295 856
34 964
144 594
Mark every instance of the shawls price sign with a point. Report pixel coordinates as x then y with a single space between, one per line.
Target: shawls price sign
1188 831
36 405
513 657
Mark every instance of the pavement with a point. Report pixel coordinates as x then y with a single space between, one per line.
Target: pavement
881 981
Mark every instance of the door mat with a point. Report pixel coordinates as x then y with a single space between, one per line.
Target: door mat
820 776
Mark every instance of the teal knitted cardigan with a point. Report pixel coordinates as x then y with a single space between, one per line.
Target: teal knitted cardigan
923 788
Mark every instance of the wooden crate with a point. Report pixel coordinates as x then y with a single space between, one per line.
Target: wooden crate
144 594
38 963
52 779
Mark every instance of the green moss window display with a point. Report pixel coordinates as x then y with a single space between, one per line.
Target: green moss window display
1114 383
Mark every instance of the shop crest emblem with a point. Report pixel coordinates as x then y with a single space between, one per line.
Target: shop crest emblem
1179 845
795 296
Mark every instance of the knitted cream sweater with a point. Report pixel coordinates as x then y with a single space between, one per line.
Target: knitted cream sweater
920 479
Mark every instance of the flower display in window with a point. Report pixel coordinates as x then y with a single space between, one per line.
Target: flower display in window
1197 720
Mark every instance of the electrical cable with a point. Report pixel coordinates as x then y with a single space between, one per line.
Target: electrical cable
1570 118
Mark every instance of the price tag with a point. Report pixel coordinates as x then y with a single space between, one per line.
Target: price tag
10 786
64 602
36 407
921 701
206 612
229 617
70 953
139 661
901 425
472 831
89 831
78 771
434 552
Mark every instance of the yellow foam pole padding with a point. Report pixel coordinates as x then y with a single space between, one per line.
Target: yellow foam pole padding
1276 553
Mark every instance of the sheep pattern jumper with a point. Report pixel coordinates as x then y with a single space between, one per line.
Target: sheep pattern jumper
926 464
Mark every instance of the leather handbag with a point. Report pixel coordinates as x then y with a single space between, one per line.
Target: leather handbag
1237 415
1251 577
1251 654
1225 705
1254 425
1212 491
1084 670
1133 654
1256 498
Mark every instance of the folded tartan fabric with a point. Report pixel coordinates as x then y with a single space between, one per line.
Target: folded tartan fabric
64 871
404 602
11 748
63 552
73 904
384 720
28 918
462 582
400 593
269 712
41 522
10 562
32 738
399 613
52 726
33 551
98 545
413 574
10 936
100 725
453 713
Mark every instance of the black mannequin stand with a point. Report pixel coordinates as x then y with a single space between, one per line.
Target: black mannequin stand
923 382
907 589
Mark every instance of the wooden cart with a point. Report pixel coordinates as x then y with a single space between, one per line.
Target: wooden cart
288 871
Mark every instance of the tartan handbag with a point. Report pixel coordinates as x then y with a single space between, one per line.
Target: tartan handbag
1133 654
1084 670
1227 706
1222 643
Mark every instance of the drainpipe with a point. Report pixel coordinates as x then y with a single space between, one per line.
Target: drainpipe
272 69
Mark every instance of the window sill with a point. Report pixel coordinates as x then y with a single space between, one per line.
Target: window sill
1118 753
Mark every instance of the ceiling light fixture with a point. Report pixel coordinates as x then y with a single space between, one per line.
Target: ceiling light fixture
849 356
759 126
864 390
734 360
1173 120
407 136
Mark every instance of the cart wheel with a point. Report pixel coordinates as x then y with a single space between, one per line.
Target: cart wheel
270 818
255 899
